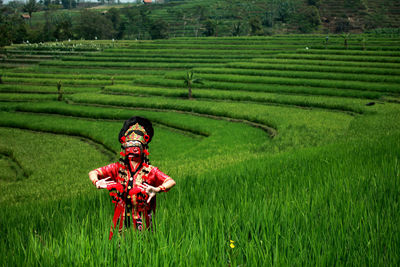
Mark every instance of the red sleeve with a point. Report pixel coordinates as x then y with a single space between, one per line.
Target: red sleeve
110 170
157 177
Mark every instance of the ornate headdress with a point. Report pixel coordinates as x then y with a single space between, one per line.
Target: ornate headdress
135 129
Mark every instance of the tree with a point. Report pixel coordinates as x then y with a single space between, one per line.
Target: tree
189 80
197 14
63 26
138 22
307 19
316 3
92 24
68 4
59 91
210 26
158 30
12 28
47 2
48 27
255 26
346 37
236 28
30 7
114 16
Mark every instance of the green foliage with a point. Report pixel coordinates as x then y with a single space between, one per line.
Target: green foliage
68 4
30 7
338 103
210 27
260 219
12 28
194 18
189 81
236 29
255 26
316 3
158 30
59 91
93 25
307 19
291 153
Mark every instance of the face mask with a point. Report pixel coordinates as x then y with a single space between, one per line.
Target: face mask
133 150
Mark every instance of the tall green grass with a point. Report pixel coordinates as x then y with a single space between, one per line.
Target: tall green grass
293 124
322 83
358 66
50 89
311 207
340 57
293 73
145 65
317 66
53 81
342 104
320 187
147 59
239 85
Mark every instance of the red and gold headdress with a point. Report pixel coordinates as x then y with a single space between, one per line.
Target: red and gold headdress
136 132
134 128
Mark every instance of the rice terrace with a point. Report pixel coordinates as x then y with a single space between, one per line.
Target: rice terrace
287 153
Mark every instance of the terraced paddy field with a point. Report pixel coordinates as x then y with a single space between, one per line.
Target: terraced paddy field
289 147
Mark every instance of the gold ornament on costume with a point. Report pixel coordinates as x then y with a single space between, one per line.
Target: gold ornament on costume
132 134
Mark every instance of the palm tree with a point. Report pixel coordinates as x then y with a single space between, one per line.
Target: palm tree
346 37
59 91
189 81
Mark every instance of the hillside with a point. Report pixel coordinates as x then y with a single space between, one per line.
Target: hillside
358 16
287 154
202 19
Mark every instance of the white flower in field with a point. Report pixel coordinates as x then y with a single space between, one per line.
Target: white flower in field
69 40
113 39
306 47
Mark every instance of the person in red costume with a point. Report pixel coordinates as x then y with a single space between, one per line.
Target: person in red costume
133 183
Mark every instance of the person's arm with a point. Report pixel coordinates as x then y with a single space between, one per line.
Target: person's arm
103 176
167 184
94 177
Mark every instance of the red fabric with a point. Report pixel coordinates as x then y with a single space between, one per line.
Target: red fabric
118 215
110 170
154 178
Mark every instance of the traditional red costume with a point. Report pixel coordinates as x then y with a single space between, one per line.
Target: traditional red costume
126 178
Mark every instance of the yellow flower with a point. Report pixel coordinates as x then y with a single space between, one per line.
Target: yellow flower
232 245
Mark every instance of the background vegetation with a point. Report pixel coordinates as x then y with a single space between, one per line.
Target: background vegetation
51 20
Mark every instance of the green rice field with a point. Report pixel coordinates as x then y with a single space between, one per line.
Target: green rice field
288 154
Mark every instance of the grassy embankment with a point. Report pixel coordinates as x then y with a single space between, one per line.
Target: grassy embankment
317 184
